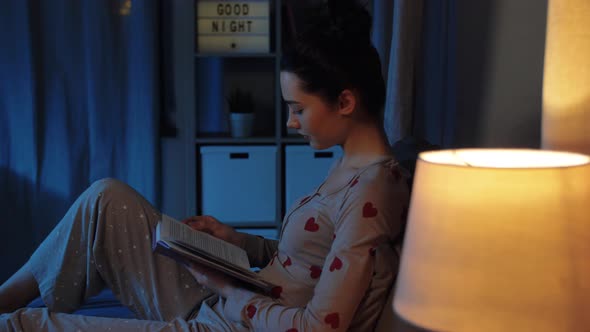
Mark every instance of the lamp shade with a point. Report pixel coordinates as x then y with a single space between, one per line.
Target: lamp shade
566 81
497 240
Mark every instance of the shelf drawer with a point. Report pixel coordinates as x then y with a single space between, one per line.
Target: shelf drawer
305 169
239 183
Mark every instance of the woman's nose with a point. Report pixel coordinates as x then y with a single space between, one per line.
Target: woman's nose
292 122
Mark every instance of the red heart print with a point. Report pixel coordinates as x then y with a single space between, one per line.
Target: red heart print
369 211
292 330
251 311
311 225
372 251
276 291
287 262
354 182
336 264
333 319
316 271
304 199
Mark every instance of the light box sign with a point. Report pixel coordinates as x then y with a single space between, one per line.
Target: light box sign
233 26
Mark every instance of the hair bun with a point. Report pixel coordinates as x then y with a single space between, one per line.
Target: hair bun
337 21
351 18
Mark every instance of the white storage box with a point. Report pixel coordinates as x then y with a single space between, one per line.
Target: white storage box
305 169
238 184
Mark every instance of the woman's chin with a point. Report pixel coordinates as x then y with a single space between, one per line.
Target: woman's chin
318 146
313 144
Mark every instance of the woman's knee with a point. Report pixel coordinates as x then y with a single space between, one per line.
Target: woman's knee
117 197
111 187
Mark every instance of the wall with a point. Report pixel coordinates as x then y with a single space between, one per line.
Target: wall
500 47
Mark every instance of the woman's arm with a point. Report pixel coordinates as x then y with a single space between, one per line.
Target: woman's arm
260 250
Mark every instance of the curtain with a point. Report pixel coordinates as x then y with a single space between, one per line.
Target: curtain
79 101
416 42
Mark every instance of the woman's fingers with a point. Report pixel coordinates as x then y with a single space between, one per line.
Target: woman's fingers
200 223
208 220
211 279
195 222
186 221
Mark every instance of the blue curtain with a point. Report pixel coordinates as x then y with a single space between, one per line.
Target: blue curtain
416 42
79 101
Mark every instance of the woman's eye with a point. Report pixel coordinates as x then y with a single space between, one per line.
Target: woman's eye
296 110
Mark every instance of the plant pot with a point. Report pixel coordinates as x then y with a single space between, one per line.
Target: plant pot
241 124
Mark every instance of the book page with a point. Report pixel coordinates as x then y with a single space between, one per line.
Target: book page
184 234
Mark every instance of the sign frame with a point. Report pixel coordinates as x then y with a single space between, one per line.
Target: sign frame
232 26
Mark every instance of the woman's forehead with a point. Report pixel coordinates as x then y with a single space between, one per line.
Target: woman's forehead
291 86
290 79
293 92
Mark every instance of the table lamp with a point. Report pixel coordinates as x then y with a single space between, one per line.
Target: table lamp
566 81
497 240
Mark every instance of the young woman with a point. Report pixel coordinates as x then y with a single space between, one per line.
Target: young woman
334 262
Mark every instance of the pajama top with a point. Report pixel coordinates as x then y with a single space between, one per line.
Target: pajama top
335 263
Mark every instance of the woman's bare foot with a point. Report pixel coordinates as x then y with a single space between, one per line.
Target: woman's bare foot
18 291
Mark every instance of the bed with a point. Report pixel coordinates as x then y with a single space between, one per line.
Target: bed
105 304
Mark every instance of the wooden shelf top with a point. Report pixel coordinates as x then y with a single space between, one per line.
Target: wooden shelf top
221 139
235 140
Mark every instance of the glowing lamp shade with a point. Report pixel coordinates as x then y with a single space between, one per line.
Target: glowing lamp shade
497 240
566 82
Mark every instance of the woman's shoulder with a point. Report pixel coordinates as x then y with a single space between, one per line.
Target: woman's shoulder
381 182
387 172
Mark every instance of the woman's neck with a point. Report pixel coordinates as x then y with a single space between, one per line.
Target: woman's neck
365 144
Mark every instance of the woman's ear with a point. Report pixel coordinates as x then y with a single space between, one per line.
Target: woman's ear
346 102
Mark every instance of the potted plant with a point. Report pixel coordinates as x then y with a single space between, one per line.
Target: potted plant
241 112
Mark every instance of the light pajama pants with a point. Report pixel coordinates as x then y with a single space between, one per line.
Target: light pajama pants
105 239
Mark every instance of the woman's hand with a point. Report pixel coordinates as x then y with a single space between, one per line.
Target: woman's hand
216 228
212 279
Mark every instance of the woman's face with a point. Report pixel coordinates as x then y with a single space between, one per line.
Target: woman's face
319 122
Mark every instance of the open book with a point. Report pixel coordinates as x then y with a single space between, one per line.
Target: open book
182 243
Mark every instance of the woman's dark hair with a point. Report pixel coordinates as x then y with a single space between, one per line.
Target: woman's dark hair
333 52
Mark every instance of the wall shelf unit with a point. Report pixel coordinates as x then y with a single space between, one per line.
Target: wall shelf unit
217 74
